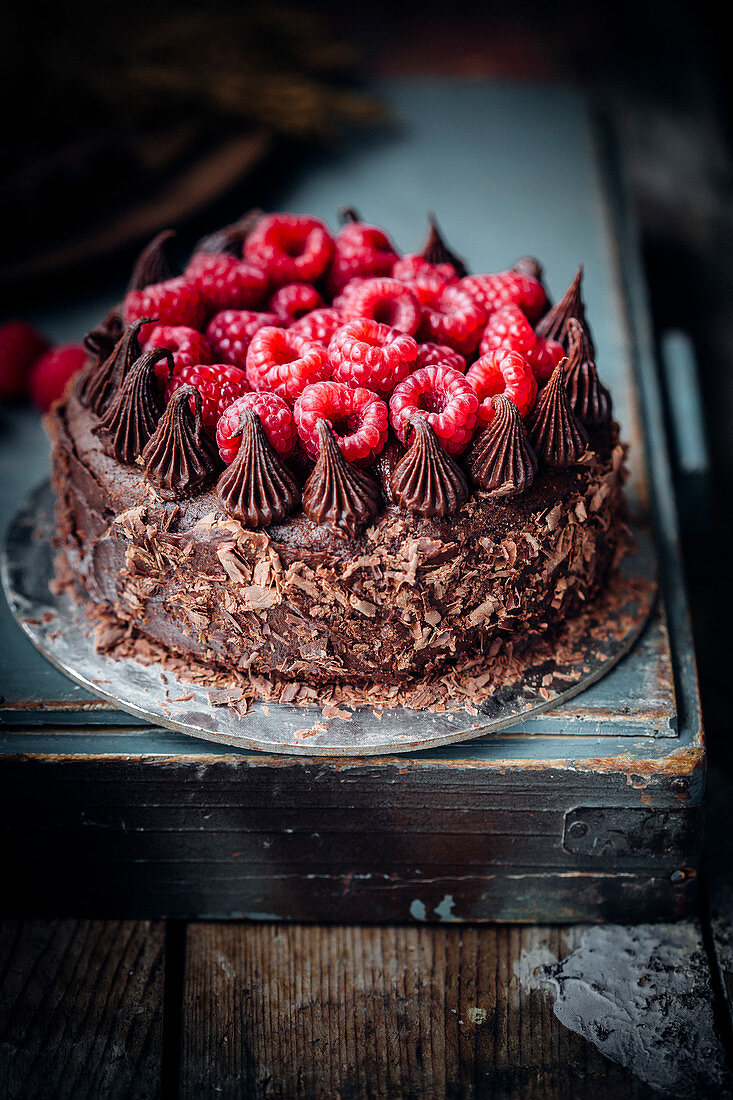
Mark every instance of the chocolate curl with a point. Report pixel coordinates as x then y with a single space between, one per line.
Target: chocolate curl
230 238
257 489
103 380
155 263
436 251
427 481
554 324
180 457
589 400
555 432
134 410
501 461
337 494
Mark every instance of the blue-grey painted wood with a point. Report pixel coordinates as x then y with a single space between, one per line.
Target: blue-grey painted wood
505 193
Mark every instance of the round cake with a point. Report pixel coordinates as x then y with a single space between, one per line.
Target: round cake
310 461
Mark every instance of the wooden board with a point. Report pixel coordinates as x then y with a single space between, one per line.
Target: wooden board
592 813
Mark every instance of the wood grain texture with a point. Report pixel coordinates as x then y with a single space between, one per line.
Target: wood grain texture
81 1008
403 1012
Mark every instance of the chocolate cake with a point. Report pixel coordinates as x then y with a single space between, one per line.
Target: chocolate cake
417 469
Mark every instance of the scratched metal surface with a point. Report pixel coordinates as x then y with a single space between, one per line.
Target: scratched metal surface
492 209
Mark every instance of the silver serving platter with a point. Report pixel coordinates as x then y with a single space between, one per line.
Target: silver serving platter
62 630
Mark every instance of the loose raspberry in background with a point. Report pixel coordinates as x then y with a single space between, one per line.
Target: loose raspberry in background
509 328
506 288
359 250
365 353
50 373
319 325
284 362
188 345
277 420
358 417
430 354
293 300
230 333
445 398
451 316
423 277
20 345
384 300
506 372
290 248
226 282
173 302
219 385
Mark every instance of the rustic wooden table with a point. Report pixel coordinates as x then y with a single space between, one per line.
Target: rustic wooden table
196 1008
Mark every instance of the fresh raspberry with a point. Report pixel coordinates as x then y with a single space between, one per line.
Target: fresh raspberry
189 347
226 282
359 418
507 288
50 373
451 316
365 353
506 372
293 301
285 363
423 277
230 333
319 325
20 345
176 301
429 354
359 250
445 398
277 420
384 300
290 248
219 385
509 328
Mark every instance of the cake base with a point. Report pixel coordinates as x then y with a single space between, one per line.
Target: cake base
251 713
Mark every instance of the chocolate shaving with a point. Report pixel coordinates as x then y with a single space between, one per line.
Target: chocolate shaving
257 489
555 432
427 481
501 461
155 263
180 458
554 324
337 494
230 239
436 251
103 379
589 400
134 410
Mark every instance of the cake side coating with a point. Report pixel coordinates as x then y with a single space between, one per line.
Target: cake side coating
408 597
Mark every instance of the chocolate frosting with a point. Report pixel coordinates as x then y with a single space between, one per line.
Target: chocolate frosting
231 238
555 432
257 489
155 263
337 494
103 379
529 265
427 481
501 461
436 251
180 457
385 463
554 324
589 400
134 409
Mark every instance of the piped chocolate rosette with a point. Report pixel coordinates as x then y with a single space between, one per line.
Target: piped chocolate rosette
364 414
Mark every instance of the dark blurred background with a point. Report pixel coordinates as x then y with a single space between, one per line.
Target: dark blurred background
124 118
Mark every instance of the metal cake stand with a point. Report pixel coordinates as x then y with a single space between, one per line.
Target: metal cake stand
62 630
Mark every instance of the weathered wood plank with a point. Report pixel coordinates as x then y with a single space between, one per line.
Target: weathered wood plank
273 1010
81 1009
